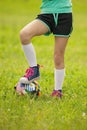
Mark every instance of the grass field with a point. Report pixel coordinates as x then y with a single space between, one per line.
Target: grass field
43 113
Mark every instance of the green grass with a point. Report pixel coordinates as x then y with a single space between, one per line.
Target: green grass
43 113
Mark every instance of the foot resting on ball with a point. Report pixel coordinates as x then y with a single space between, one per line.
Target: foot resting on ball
31 74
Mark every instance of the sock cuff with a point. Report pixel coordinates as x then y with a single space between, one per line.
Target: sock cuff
60 71
26 45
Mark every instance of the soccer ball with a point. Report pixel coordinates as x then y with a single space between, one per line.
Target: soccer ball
23 89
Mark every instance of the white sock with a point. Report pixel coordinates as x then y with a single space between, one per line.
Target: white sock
59 78
30 54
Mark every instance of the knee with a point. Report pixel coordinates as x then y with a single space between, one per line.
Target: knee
25 37
59 60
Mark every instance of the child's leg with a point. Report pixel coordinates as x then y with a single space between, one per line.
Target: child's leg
34 28
59 72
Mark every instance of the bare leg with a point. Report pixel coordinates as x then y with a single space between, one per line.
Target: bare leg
59 50
35 28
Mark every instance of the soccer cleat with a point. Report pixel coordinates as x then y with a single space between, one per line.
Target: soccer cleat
31 74
57 93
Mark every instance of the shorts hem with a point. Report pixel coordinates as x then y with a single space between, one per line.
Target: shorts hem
62 35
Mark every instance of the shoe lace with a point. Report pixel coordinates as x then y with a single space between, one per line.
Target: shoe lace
29 72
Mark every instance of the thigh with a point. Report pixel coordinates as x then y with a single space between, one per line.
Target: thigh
35 28
60 45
